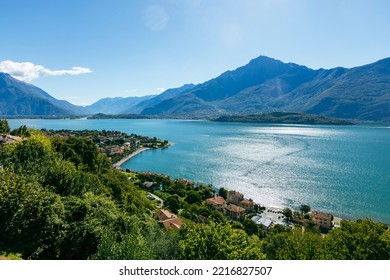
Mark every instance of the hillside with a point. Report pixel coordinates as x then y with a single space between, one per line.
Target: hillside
283 118
168 94
266 85
61 199
20 98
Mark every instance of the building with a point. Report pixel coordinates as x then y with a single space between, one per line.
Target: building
234 197
322 220
217 202
117 150
259 220
235 212
168 220
270 217
247 204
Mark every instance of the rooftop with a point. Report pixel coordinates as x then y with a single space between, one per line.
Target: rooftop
216 200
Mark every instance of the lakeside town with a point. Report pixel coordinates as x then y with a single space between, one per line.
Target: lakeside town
120 147
233 205
62 189
116 145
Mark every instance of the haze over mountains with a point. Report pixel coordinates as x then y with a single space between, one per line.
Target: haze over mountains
116 105
263 85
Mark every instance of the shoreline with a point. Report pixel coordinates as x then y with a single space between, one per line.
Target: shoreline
118 164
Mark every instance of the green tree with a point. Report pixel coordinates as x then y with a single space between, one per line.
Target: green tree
358 240
130 246
4 127
173 203
250 227
287 212
223 192
217 242
193 197
294 245
22 131
31 217
304 208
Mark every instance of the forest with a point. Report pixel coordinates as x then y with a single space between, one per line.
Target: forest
60 198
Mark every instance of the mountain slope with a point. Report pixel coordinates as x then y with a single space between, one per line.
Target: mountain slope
266 84
168 94
219 93
116 105
20 98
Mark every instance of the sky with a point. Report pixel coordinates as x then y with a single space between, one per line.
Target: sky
85 50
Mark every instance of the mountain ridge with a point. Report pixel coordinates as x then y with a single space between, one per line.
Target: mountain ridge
20 98
266 84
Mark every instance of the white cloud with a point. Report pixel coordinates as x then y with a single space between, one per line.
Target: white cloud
160 89
27 71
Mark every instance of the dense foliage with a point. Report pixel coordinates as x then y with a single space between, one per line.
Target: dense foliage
4 127
61 199
283 117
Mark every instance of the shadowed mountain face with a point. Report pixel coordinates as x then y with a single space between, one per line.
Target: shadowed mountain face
19 98
266 84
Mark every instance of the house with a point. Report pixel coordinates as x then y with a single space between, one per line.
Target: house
265 221
235 212
247 204
216 202
127 145
168 220
322 220
117 150
234 197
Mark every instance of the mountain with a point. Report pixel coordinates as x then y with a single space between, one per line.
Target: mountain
266 84
116 105
20 98
168 94
283 118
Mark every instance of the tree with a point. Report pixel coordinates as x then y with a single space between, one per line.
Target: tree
304 208
193 197
173 203
287 212
4 127
222 192
250 227
217 242
22 131
359 240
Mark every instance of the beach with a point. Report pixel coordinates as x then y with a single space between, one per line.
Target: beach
118 165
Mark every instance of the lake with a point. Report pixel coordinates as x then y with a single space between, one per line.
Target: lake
344 170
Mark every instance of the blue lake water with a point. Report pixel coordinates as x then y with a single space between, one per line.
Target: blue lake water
344 170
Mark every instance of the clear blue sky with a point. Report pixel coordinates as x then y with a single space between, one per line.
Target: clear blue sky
133 48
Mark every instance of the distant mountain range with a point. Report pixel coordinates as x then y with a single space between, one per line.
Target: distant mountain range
117 105
266 85
263 85
19 98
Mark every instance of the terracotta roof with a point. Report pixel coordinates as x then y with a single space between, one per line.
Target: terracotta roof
235 208
321 215
246 202
217 200
172 223
165 215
